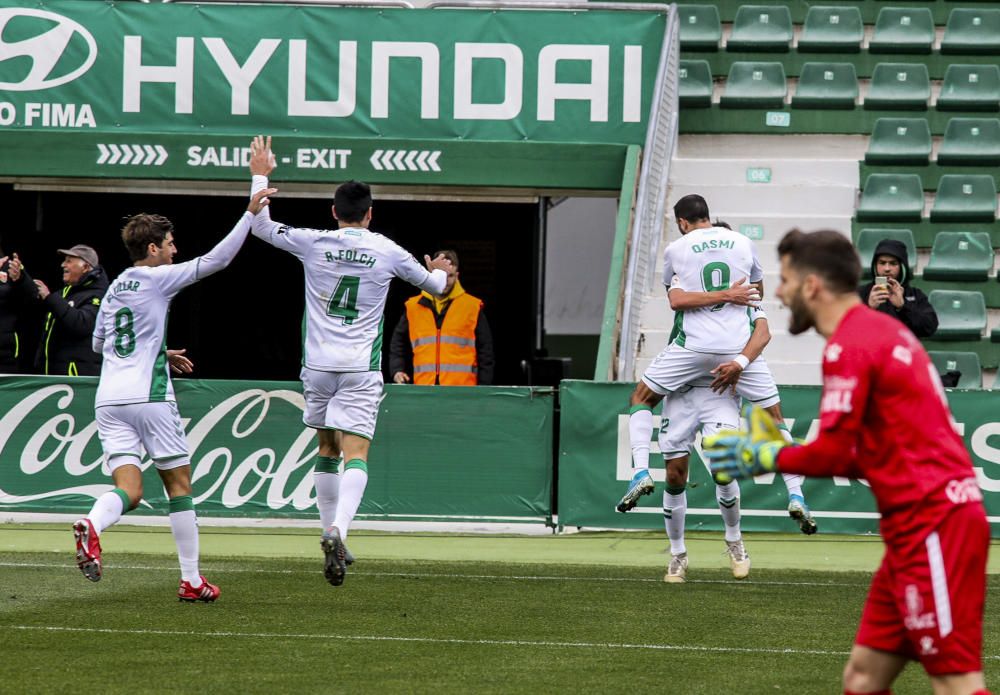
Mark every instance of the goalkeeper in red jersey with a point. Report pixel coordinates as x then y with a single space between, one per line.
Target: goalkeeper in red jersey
884 418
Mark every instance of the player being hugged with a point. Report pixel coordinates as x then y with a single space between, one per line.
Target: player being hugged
135 403
347 276
883 417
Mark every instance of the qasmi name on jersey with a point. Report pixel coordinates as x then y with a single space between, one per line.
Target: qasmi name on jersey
713 244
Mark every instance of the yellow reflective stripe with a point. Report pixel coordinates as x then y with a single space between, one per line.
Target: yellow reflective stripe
72 369
17 345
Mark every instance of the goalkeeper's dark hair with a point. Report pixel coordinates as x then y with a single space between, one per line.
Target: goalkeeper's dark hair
692 208
142 230
351 201
827 253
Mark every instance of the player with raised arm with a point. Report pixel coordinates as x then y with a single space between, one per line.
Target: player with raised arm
347 276
711 330
883 417
135 403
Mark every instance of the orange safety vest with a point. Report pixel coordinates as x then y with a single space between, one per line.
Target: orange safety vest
446 356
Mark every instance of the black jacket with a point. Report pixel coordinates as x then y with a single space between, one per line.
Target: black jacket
67 339
401 352
12 300
916 312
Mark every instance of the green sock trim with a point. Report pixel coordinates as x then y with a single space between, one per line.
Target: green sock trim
181 503
637 408
728 503
356 463
782 426
675 490
127 505
327 464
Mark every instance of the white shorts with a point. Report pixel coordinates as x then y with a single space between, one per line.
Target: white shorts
345 401
692 409
125 430
676 367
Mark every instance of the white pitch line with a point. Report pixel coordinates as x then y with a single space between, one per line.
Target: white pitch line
427 575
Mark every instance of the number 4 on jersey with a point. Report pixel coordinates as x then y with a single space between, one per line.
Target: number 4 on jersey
344 302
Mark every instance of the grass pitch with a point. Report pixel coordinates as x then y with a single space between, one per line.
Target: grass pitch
430 614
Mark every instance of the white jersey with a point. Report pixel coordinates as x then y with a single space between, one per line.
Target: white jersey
706 260
131 328
347 276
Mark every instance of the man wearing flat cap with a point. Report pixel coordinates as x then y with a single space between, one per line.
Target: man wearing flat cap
66 347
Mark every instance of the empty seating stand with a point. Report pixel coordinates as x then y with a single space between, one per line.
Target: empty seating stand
971 142
965 198
903 30
700 27
761 28
826 86
892 197
972 31
832 29
960 256
900 141
961 315
694 84
753 85
895 86
970 88
965 363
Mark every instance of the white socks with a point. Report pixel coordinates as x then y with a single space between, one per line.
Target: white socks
640 434
352 489
184 524
327 489
107 510
674 511
792 481
728 496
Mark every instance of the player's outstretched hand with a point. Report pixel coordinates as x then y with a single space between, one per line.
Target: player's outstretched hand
734 454
179 364
260 199
439 263
742 294
262 161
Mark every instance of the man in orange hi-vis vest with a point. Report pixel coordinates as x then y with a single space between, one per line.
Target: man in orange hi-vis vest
443 340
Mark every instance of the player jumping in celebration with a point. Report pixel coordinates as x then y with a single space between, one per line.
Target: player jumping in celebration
711 328
135 398
883 417
347 275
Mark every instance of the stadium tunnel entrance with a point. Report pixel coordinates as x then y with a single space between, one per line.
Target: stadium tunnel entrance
245 322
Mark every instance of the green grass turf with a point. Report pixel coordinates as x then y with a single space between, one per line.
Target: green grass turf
576 613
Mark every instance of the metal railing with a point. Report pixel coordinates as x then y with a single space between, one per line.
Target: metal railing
647 229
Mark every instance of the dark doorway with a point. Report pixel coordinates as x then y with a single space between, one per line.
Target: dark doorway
245 322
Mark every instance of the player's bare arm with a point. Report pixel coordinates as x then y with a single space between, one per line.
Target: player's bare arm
726 375
739 293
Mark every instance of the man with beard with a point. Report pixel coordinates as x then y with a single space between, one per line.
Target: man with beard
927 597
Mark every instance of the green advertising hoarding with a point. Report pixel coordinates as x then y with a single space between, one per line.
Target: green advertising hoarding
251 456
595 464
129 75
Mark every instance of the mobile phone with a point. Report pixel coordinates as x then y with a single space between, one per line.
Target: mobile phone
881 281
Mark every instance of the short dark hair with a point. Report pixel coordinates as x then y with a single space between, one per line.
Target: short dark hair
827 253
352 200
723 224
449 254
692 208
142 230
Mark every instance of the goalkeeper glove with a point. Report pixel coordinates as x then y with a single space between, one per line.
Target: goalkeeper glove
734 454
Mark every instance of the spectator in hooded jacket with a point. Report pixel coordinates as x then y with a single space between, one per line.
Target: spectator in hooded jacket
66 347
896 298
12 300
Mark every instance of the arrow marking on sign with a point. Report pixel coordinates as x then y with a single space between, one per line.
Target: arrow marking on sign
152 155
405 160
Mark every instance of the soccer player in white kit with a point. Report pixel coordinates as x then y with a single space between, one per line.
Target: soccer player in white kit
135 403
711 330
347 276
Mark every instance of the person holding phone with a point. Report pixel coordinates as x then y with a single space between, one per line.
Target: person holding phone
891 293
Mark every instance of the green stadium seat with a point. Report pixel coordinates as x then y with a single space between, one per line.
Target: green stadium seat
832 29
892 197
759 28
995 335
965 198
898 86
970 88
826 86
694 84
903 30
972 32
868 241
899 141
961 315
753 85
700 27
971 141
966 363
960 256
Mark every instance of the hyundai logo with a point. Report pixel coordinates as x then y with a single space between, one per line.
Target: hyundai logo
45 50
